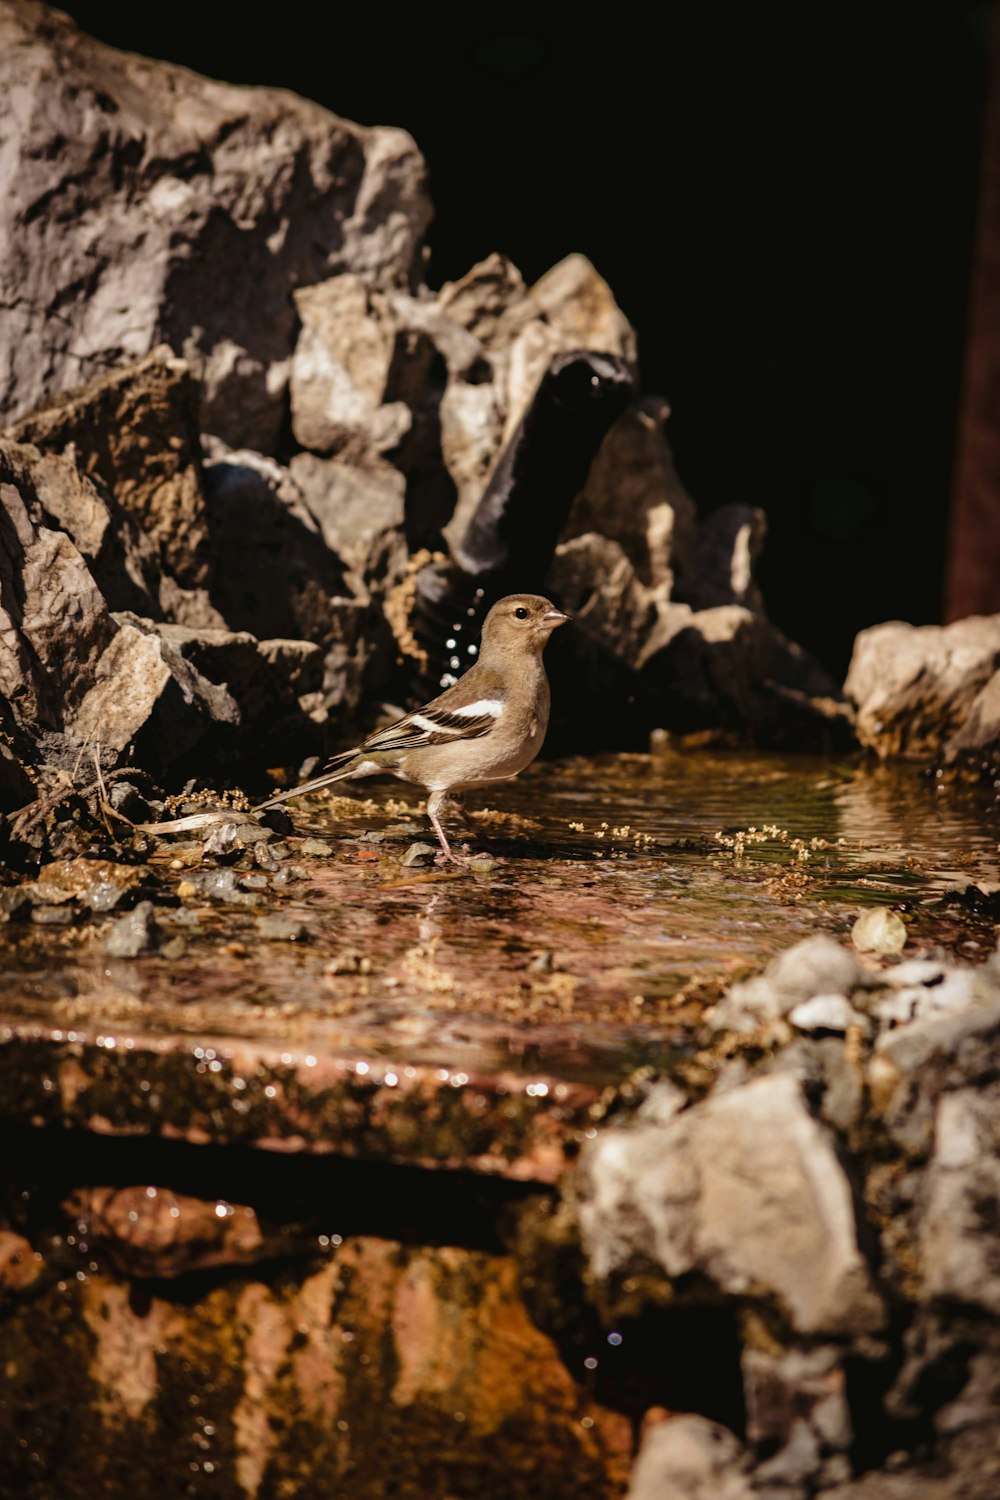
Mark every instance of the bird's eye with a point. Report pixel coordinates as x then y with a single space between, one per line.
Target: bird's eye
520 613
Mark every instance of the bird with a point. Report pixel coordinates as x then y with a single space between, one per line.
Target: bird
486 727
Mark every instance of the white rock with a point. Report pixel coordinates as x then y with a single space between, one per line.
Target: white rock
825 1013
747 1191
689 1458
879 930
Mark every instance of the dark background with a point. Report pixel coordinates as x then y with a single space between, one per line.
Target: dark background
782 200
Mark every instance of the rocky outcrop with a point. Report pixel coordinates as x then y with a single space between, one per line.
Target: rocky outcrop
135 435
144 204
744 1191
928 692
235 398
81 679
838 1181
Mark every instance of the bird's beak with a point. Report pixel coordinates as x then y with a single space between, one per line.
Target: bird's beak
553 618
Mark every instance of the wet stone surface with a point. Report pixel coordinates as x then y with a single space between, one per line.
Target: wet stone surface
330 996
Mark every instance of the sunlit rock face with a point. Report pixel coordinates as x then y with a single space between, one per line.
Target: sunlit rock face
929 692
144 204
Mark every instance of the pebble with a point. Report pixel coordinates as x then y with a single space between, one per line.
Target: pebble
482 864
825 1013
282 929
255 882
218 885
264 857
316 848
52 916
133 934
879 930
253 833
419 854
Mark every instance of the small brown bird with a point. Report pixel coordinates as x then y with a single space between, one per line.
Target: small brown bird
487 727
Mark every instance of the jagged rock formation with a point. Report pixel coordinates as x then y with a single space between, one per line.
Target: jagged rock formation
143 204
249 415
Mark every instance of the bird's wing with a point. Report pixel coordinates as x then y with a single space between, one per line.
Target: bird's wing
435 726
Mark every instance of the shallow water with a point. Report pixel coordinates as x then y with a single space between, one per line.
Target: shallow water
626 890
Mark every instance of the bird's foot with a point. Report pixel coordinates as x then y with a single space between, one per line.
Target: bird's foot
450 857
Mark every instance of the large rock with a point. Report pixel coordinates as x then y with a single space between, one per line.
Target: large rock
143 204
521 331
927 691
275 684
276 576
135 433
361 512
744 1191
69 668
634 497
363 362
718 566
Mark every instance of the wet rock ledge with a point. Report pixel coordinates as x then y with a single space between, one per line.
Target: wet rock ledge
766 1269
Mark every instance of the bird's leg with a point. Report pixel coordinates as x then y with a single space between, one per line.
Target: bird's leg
435 802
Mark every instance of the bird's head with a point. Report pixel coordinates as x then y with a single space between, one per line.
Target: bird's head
521 621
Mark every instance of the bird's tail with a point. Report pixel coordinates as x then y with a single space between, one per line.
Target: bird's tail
337 769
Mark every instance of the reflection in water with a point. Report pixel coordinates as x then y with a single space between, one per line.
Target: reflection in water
621 884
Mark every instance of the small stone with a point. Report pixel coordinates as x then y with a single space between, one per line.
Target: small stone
482 864
104 895
174 947
279 929
825 1013
263 856
253 833
221 841
255 882
133 934
277 819
52 916
879 930
128 800
316 848
897 1009
183 916
218 885
419 854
